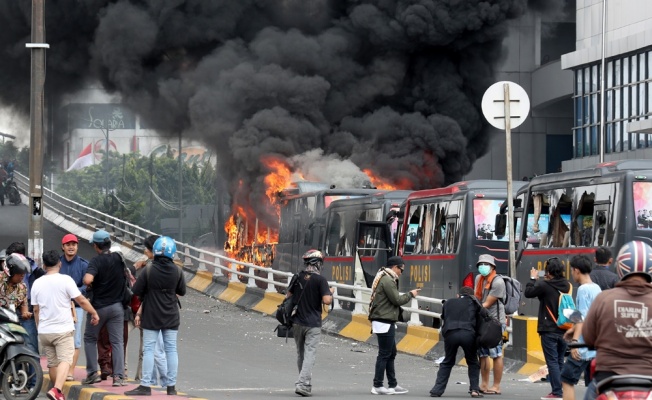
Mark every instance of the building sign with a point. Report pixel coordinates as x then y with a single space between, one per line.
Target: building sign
100 116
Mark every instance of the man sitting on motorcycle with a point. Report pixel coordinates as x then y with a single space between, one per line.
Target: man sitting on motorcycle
618 325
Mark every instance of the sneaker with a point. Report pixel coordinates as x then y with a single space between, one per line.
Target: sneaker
552 397
303 391
380 390
139 391
55 394
92 378
118 382
171 391
397 390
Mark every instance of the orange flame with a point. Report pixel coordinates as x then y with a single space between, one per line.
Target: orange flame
279 178
380 183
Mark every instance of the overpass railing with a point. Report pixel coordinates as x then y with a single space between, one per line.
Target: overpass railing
200 259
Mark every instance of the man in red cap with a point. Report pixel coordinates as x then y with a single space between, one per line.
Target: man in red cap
75 267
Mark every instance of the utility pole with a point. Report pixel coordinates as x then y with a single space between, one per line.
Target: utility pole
38 47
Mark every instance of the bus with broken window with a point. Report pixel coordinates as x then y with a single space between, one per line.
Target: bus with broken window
302 223
339 240
570 213
440 233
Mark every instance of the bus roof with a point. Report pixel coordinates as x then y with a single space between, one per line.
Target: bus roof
397 196
331 192
465 186
607 168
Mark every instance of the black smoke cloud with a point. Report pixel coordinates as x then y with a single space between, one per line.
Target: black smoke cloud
393 85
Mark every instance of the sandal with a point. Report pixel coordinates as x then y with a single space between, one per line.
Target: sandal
475 394
70 378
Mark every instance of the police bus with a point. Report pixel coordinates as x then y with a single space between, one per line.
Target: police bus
440 233
569 213
303 222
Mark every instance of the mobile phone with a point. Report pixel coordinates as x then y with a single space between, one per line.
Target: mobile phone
542 273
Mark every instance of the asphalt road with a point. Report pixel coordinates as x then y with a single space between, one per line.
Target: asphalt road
229 352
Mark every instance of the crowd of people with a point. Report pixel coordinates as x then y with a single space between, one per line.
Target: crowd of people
70 302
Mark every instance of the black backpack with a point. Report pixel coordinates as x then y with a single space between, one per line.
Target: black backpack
489 330
287 309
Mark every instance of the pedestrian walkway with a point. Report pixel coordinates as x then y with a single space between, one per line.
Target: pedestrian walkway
74 390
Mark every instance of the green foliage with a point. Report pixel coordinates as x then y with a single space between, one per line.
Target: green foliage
129 180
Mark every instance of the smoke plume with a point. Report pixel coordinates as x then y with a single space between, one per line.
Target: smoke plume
393 86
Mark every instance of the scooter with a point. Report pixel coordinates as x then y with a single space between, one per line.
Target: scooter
12 193
630 387
22 376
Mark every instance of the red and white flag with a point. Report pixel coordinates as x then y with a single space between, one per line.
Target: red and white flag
84 160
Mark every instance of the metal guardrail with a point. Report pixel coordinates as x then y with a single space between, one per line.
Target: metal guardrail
236 271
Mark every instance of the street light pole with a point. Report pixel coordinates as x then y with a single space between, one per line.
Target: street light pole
38 46
180 190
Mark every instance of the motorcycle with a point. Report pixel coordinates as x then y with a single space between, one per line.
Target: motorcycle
22 376
12 193
631 386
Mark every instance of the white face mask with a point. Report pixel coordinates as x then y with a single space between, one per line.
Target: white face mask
484 270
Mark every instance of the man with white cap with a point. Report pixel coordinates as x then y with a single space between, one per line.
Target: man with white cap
75 267
490 292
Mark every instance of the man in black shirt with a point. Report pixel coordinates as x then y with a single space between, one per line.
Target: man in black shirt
106 277
459 318
311 291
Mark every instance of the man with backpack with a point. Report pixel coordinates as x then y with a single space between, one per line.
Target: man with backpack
311 290
579 359
548 291
490 292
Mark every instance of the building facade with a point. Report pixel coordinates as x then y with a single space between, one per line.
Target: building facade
558 61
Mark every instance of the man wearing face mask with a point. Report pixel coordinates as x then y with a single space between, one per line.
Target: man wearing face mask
490 292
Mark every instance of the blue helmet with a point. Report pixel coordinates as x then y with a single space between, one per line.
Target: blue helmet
164 246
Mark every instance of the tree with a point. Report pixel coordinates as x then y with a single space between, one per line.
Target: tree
142 189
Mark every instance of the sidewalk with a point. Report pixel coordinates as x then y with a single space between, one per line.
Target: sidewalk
74 390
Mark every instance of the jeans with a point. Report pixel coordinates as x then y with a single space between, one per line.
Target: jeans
31 340
32 334
386 357
150 337
554 347
452 341
79 326
306 339
160 369
113 317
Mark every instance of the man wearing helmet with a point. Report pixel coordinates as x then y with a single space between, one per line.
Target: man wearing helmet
159 285
311 289
106 277
618 324
13 291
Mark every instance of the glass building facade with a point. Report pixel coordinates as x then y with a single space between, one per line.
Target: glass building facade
628 98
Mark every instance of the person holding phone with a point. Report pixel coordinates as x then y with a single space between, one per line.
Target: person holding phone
384 310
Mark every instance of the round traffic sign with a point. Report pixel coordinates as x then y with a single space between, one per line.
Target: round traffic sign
493 104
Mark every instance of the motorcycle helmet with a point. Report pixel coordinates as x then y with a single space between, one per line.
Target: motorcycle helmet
16 263
313 258
635 258
164 246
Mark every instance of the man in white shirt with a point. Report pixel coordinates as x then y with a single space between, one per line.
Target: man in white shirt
52 297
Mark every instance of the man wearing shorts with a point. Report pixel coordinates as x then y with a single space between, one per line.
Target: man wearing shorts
53 314
74 266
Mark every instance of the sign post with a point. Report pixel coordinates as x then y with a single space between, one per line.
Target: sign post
506 105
